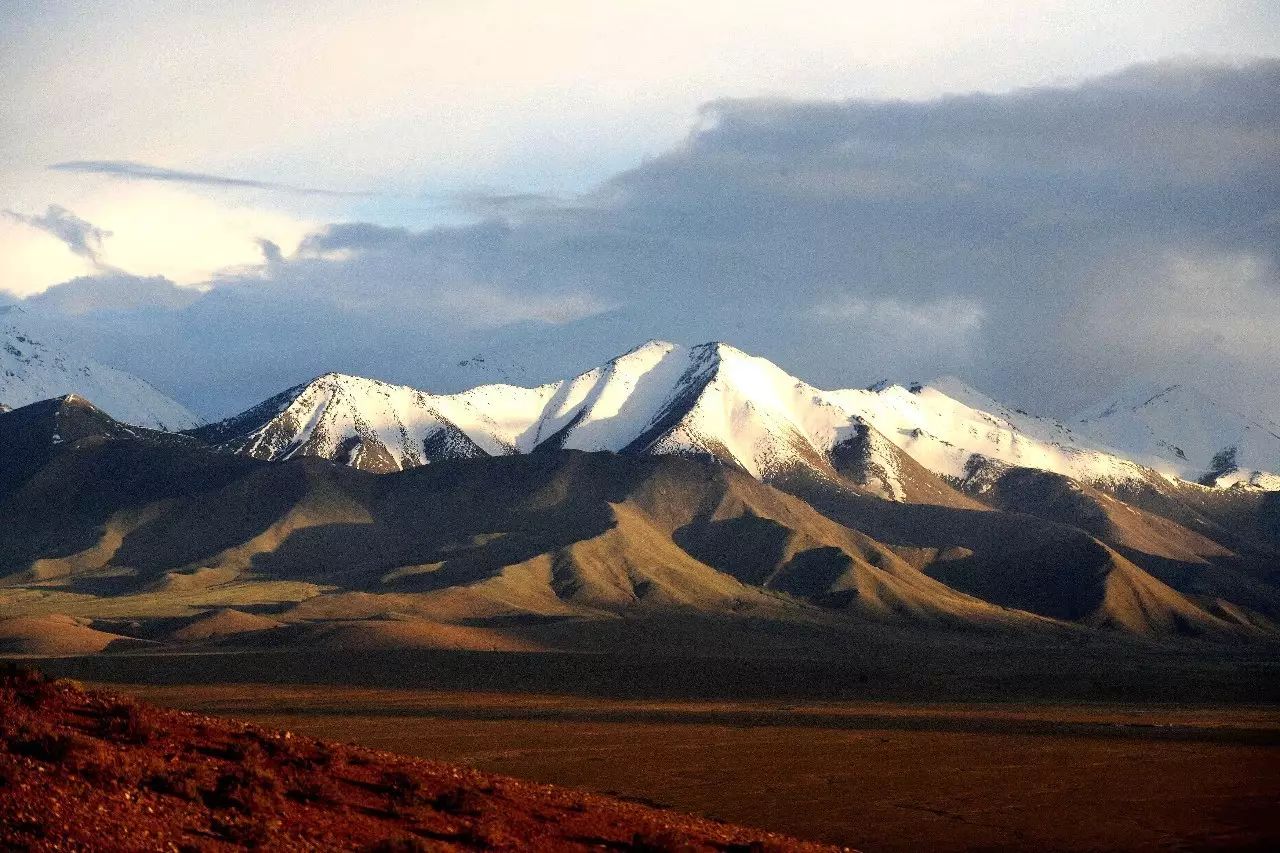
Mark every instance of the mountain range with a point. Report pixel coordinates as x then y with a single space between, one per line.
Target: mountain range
37 365
671 483
716 402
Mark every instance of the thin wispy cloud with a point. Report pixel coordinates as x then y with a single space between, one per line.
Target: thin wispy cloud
132 171
82 237
481 202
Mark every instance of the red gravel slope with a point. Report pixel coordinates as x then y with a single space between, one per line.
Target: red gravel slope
82 770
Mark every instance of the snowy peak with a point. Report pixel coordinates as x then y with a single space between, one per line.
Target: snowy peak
361 422
1180 430
710 401
747 410
36 364
607 407
958 437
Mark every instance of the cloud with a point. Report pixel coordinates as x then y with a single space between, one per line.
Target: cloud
271 251
559 94
1225 301
398 305
113 292
128 170
155 229
351 236
488 307
83 238
947 322
1195 314
1046 244
1011 205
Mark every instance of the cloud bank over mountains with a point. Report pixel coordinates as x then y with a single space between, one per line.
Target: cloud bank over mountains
1126 224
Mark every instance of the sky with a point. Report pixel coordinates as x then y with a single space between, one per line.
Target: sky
1048 199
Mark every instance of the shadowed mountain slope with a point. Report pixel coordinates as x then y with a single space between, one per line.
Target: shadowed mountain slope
1188 561
556 532
1021 561
119 521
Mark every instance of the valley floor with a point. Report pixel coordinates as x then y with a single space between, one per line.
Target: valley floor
879 777
928 768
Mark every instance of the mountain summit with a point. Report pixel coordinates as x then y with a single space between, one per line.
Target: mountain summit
711 401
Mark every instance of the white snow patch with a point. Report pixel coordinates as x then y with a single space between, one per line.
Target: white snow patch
36 364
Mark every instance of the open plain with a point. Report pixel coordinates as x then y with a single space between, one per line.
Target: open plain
1064 766
876 777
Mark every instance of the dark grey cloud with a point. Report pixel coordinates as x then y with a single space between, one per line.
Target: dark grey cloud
1047 244
82 237
352 236
113 293
271 252
129 170
1047 210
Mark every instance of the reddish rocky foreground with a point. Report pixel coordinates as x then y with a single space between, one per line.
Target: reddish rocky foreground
84 770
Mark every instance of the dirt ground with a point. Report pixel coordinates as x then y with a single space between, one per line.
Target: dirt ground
86 770
878 776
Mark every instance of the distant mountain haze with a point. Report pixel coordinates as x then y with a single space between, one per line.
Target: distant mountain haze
36 365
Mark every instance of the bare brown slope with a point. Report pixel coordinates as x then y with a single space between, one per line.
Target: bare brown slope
552 534
1243 519
1055 497
766 537
1134 601
90 771
127 527
1023 562
1188 561
55 635
616 533
78 506
223 623
33 435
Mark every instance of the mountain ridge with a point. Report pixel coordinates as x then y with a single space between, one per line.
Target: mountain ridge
1186 432
116 519
711 400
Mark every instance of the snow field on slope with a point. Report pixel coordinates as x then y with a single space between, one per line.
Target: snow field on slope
36 365
715 399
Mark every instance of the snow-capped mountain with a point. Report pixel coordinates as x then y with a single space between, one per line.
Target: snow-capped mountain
361 422
958 433
36 365
1182 431
710 401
